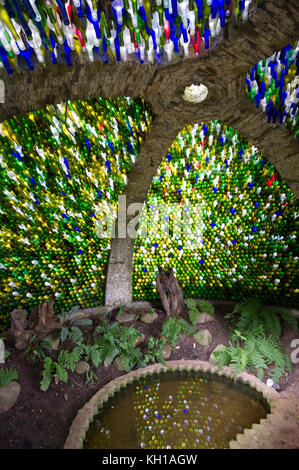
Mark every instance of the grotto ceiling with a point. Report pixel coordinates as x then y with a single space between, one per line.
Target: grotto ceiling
223 69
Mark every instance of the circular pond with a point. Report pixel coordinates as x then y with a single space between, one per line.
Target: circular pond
176 409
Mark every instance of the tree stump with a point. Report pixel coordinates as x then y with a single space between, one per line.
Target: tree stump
18 329
170 292
41 322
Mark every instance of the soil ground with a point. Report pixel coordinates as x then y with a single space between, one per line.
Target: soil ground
43 419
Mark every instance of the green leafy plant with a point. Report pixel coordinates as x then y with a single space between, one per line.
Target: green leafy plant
67 361
75 335
255 353
206 306
47 373
92 353
154 350
69 321
255 345
132 357
58 369
251 316
7 376
90 377
35 350
193 311
173 327
114 340
120 312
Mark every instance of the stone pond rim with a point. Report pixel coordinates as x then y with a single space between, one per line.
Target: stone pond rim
80 424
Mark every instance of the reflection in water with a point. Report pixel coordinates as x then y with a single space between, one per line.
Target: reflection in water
161 412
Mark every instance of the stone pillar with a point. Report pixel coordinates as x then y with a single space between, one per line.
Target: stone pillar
119 275
156 144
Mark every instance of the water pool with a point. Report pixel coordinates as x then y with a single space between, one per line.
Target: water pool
178 410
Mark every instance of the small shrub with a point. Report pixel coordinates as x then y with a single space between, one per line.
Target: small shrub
116 340
35 351
154 350
193 311
206 306
252 316
7 376
173 327
69 322
255 353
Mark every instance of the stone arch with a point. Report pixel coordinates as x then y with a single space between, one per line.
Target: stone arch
266 139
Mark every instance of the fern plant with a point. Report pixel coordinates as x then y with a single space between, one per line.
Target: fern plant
154 350
67 361
53 369
115 340
59 369
173 327
90 377
193 311
255 353
69 321
255 333
7 376
206 306
35 351
92 353
75 334
254 316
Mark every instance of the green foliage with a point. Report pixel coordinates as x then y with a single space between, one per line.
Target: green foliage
154 350
255 333
35 350
189 330
75 335
132 357
71 323
193 311
90 377
206 306
92 353
171 330
173 327
256 353
256 317
47 373
114 340
7 376
120 312
77 353
58 369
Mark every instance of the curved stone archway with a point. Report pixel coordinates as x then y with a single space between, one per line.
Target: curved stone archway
119 277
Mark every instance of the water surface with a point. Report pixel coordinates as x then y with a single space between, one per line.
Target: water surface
176 410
